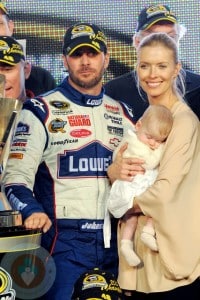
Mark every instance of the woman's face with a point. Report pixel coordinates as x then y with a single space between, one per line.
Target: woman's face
156 70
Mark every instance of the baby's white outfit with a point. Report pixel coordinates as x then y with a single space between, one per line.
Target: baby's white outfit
121 195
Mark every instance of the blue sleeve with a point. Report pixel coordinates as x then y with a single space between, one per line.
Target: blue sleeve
16 192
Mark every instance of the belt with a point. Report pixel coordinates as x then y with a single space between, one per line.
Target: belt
84 224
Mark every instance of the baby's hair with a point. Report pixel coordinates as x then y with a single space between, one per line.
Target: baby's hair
158 120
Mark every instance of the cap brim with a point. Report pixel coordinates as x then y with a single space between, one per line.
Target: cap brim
3 8
98 296
171 20
83 45
95 293
8 62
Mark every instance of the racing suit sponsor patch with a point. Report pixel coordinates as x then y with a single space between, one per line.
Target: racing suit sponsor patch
57 125
80 133
79 120
91 225
16 155
77 163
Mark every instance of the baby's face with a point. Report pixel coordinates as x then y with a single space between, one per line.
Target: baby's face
145 137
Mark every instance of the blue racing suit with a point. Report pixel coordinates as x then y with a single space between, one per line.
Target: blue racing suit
58 164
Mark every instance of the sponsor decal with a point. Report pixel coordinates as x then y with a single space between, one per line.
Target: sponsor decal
6 290
87 226
115 141
154 10
60 104
38 104
22 129
15 202
66 141
57 125
16 155
112 108
88 161
115 130
79 120
62 112
85 30
86 164
80 133
113 119
94 102
19 144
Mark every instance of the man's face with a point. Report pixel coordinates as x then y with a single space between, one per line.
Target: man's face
86 68
170 29
6 26
14 80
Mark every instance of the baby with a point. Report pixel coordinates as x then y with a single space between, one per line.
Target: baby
145 142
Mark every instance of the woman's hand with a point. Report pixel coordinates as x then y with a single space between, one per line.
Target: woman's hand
124 168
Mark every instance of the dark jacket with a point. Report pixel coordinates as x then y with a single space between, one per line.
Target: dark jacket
40 81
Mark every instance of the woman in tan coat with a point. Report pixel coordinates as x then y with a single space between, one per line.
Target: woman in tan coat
173 201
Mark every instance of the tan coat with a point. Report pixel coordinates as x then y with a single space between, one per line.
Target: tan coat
174 204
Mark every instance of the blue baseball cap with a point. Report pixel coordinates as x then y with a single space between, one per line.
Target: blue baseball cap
153 14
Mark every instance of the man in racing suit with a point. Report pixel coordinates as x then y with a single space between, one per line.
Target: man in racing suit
56 174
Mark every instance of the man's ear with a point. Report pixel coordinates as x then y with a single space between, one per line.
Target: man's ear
107 60
27 69
11 26
136 40
65 63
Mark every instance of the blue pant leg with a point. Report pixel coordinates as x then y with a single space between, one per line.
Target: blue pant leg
77 251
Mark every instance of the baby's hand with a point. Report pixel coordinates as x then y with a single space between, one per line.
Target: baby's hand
125 168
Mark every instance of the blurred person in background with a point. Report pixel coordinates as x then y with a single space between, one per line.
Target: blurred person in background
152 19
12 67
38 79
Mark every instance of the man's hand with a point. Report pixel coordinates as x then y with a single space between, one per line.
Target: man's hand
125 168
38 220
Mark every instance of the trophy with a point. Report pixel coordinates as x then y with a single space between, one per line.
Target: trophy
13 235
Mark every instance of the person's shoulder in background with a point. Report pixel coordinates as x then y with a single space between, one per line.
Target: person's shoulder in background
40 80
120 85
124 88
192 95
192 80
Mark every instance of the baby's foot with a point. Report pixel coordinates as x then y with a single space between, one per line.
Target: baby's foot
148 238
129 254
